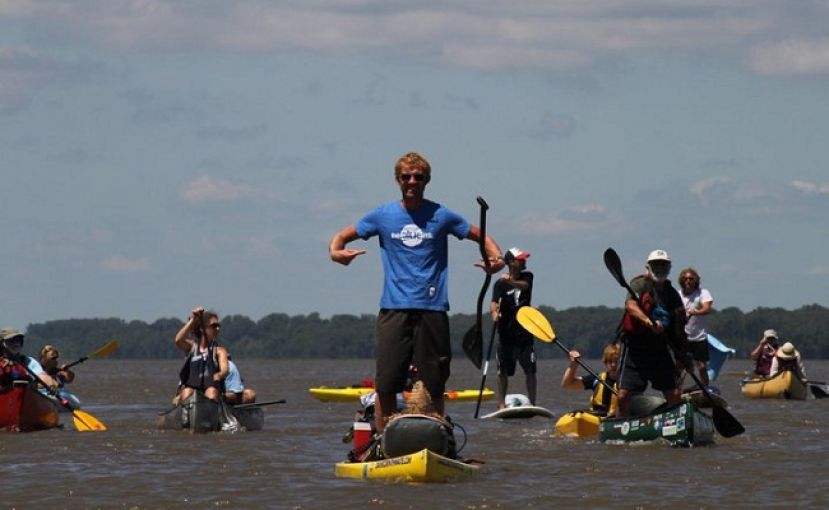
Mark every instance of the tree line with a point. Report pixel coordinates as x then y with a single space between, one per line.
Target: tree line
279 335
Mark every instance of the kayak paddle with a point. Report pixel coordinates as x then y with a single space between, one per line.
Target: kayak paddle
258 404
725 423
473 340
534 321
106 350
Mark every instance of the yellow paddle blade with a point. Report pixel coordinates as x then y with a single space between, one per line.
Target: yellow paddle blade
105 350
534 321
85 422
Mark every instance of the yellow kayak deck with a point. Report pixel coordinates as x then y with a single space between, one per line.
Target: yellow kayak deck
351 394
578 424
424 466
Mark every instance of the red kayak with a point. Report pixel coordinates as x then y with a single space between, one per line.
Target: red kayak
22 407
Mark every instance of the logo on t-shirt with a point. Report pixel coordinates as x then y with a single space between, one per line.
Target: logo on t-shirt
411 235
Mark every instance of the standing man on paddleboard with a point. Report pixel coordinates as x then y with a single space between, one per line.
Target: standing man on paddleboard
653 321
413 323
515 344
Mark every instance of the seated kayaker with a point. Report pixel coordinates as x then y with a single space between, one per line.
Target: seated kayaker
49 361
788 358
764 353
205 367
12 344
235 390
602 402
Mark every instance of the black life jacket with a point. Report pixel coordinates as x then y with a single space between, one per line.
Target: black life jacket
198 369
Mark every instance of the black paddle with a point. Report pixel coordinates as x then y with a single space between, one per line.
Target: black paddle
473 340
725 423
819 389
258 404
486 365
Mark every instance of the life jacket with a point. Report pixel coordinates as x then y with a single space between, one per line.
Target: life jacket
763 364
647 302
603 400
198 369
11 371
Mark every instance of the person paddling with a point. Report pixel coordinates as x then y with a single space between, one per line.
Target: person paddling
657 318
787 358
413 322
12 345
602 402
205 367
49 361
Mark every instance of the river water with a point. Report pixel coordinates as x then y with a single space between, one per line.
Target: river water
779 462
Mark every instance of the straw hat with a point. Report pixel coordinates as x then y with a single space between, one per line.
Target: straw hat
787 351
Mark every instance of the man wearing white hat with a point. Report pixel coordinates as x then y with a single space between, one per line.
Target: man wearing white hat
650 323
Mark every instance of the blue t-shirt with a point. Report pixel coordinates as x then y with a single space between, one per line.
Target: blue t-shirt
233 381
414 249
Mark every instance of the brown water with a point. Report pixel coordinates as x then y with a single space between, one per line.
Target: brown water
779 462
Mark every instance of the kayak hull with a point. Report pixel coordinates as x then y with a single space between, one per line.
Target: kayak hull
24 409
782 385
581 424
680 425
519 412
424 466
698 398
353 394
204 415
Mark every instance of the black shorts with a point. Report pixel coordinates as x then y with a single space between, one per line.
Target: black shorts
419 337
511 352
643 366
699 350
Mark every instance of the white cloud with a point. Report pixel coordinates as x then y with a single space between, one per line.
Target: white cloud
702 187
119 264
581 218
497 34
791 57
810 187
211 189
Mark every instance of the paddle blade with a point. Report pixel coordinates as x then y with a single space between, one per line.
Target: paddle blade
106 350
819 391
614 265
85 422
473 345
726 424
534 321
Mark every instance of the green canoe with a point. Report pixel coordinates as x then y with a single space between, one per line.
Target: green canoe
680 425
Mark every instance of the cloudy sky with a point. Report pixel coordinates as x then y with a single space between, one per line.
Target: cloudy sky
158 155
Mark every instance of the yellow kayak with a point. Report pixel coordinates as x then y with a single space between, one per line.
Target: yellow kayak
423 466
578 424
782 385
351 394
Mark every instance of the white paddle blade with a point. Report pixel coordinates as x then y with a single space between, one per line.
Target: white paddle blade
534 321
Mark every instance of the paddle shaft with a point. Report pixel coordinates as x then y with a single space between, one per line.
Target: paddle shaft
259 404
488 357
488 277
78 362
103 351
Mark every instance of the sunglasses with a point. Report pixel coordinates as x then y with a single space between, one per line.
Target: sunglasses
686 278
408 177
215 326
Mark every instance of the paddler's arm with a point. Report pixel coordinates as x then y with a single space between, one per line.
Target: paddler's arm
337 250
221 354
66 375
493 251
569 381
182 340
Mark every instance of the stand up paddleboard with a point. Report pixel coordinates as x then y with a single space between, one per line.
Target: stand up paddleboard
518 406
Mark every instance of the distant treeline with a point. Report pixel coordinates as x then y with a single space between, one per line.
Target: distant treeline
349 336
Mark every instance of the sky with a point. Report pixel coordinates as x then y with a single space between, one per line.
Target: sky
159 155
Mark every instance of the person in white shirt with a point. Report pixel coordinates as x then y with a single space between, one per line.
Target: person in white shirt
698 303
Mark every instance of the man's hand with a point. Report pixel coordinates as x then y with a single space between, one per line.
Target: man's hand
345 256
